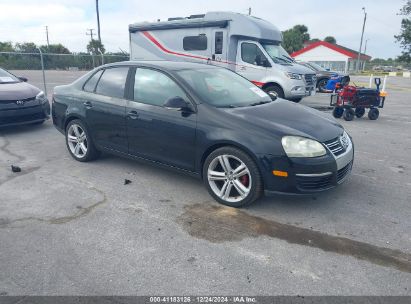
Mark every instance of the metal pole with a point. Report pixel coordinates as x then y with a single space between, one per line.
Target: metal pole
47 35
98 22
362 36
92 56
42 68
365 53
102 56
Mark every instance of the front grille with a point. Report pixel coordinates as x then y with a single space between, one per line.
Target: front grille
13 101
343 172
310 79
335 146
21 118
311 183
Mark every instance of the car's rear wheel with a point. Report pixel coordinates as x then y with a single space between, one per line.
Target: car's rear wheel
79 142
232 177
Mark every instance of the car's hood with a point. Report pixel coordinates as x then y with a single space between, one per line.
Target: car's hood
16 91
288 118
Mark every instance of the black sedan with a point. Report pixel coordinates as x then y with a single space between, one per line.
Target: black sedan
20 102
205 121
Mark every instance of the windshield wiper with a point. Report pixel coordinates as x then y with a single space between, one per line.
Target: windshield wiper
260 103
289 59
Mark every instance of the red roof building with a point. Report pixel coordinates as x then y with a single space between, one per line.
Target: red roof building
332 56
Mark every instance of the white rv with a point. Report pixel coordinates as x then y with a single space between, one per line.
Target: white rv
247 45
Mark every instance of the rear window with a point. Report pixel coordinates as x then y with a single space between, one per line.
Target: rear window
91 83
113 82
195 43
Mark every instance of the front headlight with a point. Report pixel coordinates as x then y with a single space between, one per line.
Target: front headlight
41 97
296 146
293 75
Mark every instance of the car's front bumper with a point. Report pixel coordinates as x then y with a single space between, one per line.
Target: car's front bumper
24 115
306 175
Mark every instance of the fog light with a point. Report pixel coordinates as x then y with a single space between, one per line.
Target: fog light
280 173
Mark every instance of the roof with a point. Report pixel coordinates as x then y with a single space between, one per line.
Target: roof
239 25
336 47
164 65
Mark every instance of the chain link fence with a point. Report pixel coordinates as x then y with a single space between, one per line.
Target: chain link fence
75 61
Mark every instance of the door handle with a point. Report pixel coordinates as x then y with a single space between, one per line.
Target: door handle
88 104
132 114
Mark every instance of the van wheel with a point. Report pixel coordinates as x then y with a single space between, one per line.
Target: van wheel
275 91
232 177
79 142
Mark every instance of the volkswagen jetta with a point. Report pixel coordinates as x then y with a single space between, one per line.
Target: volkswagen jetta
206 121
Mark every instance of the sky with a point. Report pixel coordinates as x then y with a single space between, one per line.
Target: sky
68 20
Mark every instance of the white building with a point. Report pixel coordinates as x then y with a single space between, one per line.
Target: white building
331 56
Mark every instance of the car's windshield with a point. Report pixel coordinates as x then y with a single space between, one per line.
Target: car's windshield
277 53
223 88
6 77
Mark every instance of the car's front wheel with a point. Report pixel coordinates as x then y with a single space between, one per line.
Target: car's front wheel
79 142
232 177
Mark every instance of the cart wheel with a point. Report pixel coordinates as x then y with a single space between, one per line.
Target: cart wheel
338 112
359 112
349 114
373 114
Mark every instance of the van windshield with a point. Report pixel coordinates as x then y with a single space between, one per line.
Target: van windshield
277 53
223 89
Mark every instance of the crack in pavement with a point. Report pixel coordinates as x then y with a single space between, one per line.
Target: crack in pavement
59 220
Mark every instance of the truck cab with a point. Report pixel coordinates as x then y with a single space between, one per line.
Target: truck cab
245 44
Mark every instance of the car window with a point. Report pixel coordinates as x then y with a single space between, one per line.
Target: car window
91 83
153 87
195 43
251 53
113 82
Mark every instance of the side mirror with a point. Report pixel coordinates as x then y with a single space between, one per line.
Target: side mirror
178 103
24 79
266 64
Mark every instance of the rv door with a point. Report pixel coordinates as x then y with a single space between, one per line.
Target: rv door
251 61
219 47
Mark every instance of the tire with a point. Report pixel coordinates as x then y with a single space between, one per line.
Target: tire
217 176
321 85
338 112
349 114
373 114
275 90
359 112
79 142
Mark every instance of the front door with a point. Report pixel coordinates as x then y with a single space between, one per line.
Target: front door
155 132
251 61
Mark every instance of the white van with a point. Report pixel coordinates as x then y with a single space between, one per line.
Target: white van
247 45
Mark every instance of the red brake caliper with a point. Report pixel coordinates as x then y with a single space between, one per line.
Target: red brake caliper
245 180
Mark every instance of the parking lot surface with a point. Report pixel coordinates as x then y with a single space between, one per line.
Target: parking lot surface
70 228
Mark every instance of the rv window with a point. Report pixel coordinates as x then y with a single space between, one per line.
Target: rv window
113 82
218 42
91 83
195 43
251 53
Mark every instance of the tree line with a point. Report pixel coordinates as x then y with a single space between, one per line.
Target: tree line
56 56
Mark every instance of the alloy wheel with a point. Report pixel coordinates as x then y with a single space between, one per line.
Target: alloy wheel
229 178
77 141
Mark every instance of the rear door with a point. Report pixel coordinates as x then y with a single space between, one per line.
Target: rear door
250 60
155 132
105 108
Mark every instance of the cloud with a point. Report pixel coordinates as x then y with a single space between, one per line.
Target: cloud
68 20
